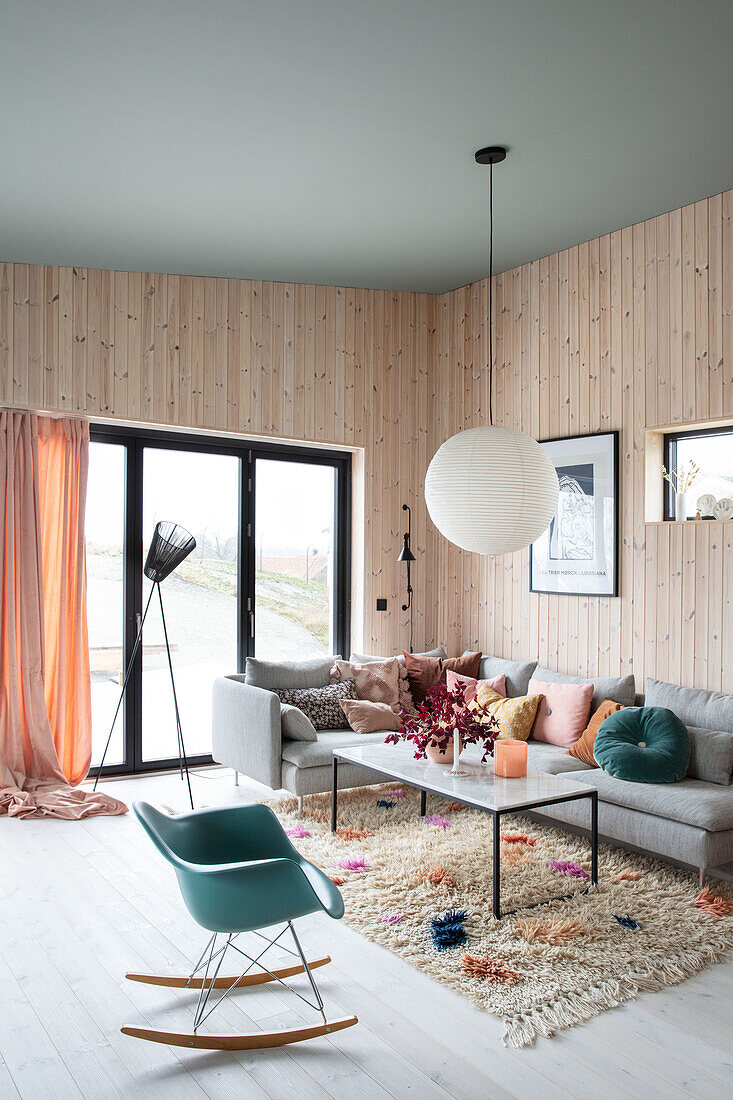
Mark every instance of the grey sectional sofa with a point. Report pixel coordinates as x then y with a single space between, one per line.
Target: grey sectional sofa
690 821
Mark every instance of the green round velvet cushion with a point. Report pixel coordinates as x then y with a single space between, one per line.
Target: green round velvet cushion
643 745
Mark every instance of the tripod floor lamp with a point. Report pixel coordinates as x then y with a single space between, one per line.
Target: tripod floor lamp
169 546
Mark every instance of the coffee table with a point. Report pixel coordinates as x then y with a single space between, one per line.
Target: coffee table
480 788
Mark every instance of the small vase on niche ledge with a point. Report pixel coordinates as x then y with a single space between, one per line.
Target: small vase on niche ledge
680 506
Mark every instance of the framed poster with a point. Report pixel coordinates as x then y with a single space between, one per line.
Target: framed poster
578 553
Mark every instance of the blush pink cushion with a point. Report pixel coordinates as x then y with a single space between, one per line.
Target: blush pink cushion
471 686
563 713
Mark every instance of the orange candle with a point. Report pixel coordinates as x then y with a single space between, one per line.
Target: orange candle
510 758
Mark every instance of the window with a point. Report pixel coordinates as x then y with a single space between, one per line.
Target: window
269 577
710 449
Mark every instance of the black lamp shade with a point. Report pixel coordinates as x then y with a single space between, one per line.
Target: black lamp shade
169 545
406 553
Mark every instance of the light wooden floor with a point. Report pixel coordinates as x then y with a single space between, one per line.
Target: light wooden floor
84 901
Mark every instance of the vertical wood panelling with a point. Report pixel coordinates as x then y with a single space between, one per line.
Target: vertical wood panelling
319 364
632 330
635 330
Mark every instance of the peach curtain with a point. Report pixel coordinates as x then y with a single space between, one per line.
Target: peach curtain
45 699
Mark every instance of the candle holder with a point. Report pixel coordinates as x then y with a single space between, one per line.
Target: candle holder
457 769
510 759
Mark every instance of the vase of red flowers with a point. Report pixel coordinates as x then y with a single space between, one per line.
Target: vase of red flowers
444 724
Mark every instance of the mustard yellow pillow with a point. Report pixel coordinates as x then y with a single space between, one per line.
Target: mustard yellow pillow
515 716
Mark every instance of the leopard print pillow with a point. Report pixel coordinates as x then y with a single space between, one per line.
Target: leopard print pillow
321 704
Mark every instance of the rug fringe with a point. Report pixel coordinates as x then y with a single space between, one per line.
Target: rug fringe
578 1006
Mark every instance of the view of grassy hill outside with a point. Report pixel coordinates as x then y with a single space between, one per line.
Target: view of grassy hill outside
292 594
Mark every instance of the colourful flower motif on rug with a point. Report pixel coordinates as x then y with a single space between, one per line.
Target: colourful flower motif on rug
297 833
519 838
436 876
627 875
454 807
554 930
385 804
355 866
337 880
713 904
448 931
394 794
628 922
391 918
513 855
568 867
437 820
491 970
353 834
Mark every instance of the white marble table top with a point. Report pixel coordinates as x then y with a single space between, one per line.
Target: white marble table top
479 788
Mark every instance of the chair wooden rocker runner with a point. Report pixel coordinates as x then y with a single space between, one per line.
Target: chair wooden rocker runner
238 873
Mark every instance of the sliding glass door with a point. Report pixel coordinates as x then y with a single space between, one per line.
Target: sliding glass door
268 577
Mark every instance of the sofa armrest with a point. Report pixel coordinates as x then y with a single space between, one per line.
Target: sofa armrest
246 733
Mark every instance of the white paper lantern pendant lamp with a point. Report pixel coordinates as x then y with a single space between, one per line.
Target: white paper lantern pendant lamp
491 490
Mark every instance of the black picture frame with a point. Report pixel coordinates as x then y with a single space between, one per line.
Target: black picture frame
584 455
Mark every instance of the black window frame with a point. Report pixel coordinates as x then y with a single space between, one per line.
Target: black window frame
671 439
135 440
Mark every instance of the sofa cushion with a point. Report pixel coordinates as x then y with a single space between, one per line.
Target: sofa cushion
365 716
289 674
296 724
643 745
517 673
583 747
321 704
426 672
563 711
405 696
621 689
376 681
704 805
315 754
710 710
711 755
514 716
552 759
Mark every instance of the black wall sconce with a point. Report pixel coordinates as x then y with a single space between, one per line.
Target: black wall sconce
407 555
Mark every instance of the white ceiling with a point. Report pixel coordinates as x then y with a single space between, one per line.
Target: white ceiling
332 141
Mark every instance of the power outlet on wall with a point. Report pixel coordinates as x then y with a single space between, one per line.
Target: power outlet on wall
381 605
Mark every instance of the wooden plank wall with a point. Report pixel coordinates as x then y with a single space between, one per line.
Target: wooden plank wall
628 331
631 330
310 363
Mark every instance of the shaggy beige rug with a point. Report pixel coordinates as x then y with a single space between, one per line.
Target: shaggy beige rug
645 926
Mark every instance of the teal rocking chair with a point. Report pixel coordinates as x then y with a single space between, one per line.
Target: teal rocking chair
239 873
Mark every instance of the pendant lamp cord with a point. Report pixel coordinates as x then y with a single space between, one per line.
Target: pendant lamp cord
491 279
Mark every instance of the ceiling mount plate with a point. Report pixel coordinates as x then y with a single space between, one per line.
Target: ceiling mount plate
492 154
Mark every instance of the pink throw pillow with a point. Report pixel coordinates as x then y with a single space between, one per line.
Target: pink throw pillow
471 686
563 714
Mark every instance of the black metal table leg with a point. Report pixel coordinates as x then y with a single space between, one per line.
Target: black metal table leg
334 793
594 838
423 803
496 869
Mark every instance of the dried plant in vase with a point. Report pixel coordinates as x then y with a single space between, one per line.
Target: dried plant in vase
444 725
682 479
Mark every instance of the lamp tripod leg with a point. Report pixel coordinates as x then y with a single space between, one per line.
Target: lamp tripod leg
128 672
183 762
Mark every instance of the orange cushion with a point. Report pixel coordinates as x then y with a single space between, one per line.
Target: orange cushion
583 747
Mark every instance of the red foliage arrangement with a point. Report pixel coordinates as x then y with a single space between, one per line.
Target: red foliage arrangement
442 714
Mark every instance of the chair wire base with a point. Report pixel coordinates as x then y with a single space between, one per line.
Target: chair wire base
211 954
